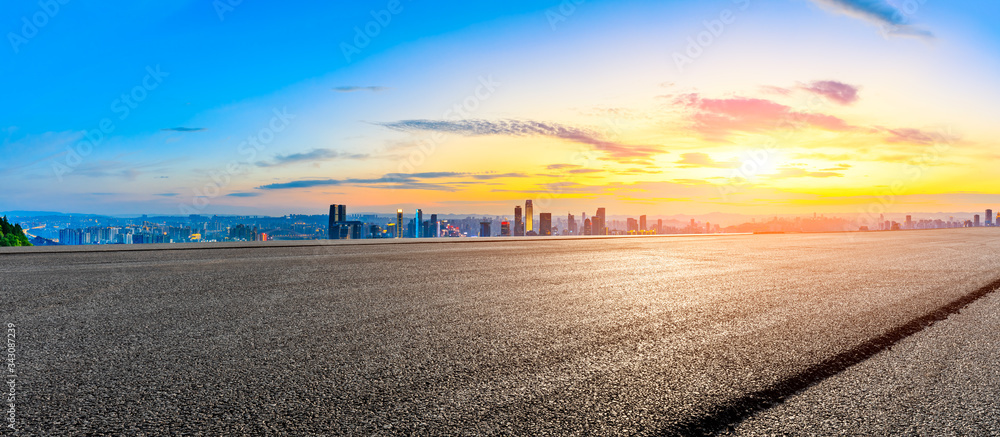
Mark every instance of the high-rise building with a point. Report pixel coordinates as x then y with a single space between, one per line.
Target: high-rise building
505 228
529 216
518 224
434 227
631 226
484 229
338 213
659 226
571 224
418 222
399 223
989 217
976 220
587 230
642 223
909 222
545 223
600 222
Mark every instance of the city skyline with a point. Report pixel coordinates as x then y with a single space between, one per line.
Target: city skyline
598 102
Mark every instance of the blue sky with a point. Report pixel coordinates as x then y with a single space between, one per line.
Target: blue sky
227 70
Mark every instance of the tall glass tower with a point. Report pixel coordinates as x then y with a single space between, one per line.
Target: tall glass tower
418 223
528 217
399 223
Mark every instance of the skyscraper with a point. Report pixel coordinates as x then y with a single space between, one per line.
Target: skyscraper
484 229
659 226
976 221
505 228
989 217
418 221
909 222
600 223
631 226
518 224
545 223
587 230
528 217
571 224
338 213
642 223
399 223
435 226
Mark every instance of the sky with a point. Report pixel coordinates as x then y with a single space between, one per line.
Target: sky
641 107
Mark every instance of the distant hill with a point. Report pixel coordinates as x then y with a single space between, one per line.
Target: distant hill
30 213
12 235
39 241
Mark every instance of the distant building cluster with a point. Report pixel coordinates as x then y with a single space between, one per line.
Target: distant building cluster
525 221
73 230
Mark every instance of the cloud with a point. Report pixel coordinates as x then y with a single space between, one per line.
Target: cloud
718 118
795 172
352 89
243 194
184 129
919 137
837 92
890 19
499 176
562 166
167 194
614 150
702 160
402 181
311 156
781 91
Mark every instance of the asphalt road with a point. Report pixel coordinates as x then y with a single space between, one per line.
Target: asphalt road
653 336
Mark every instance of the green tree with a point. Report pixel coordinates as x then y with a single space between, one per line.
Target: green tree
12 235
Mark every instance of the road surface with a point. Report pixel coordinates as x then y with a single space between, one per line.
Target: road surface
619 336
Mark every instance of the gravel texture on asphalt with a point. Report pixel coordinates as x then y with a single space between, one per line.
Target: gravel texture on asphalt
942 381
607 336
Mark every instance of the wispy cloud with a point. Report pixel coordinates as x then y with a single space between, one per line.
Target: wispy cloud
917 136
796 172
185 129
353 89
499 176
837 92
315 155
892 20
716 119
243 194
702 160
614 150
562 166
401 181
